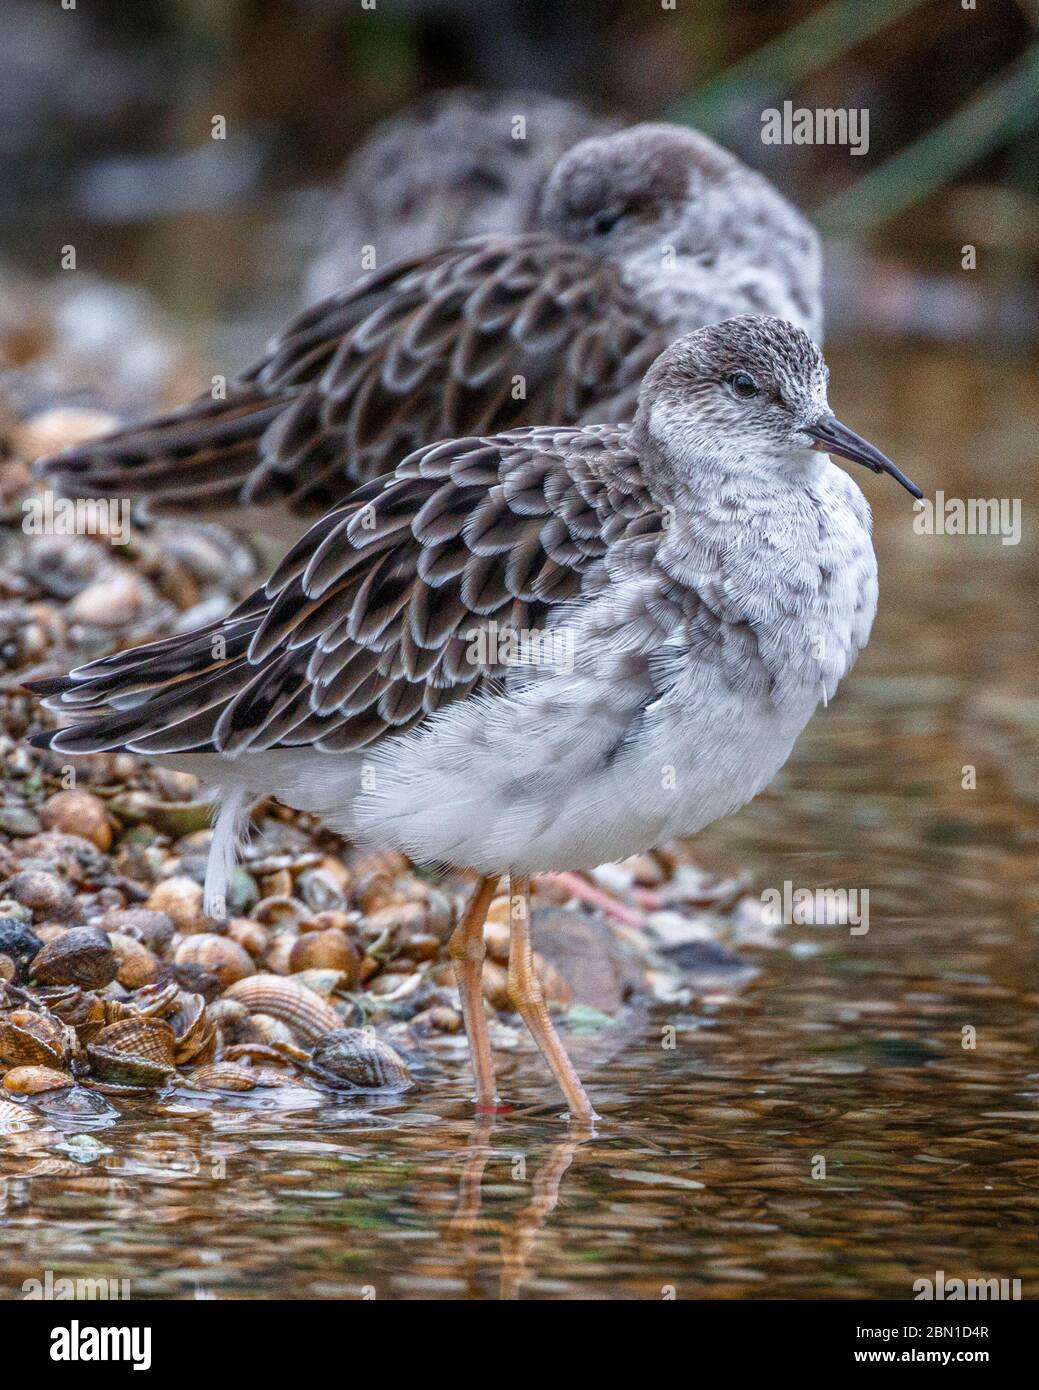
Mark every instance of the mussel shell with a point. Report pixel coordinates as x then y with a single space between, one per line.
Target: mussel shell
356 1059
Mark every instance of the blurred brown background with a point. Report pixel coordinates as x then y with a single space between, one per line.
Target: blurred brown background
106 110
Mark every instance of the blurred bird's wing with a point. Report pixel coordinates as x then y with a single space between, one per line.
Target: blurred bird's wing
477 337
373 621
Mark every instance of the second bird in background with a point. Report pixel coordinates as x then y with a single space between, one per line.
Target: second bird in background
643 235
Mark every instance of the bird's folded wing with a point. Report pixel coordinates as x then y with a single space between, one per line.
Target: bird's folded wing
477 337
373 620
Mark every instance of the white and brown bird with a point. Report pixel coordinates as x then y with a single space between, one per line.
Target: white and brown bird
680 592
644 235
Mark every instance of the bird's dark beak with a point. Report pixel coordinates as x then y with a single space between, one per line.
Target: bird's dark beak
834 438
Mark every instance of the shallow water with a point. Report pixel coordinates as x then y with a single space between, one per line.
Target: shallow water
823 1133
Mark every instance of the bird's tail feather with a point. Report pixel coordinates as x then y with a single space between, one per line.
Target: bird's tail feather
228 836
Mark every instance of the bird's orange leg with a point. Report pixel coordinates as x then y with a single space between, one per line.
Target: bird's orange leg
525 996
467 950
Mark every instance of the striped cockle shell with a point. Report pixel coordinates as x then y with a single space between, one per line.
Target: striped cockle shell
192 1028
266 1052
82 1010
222 1076
306 1013
262 1028
30 1081
228 1017
136 1051
32 1039
155 1001
15 1116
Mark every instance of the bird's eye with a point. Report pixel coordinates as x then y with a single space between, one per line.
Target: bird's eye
743 385
605 221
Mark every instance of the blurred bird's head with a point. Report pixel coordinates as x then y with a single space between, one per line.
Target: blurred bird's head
619 193
662 198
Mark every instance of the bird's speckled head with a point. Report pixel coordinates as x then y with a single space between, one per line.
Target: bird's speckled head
749 396
754 380
616 193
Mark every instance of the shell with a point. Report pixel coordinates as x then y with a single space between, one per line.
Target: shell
355 1059
81 1010
136 1051
280 912
180 899
421 946
495 982
79 956
277 884
306 1013
444 1019
225 960
261 1028
326 950
15 1116
249 935
223 1076
30 1081
151 929
440 914
193 1030
321 890
137 965
228 1017
174 818
49 897
78 813
32 1039
155 1001
389 928
138 1036
276 1052
272 1076
279 955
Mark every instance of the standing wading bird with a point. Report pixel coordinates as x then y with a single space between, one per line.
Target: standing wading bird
644 236
709 570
